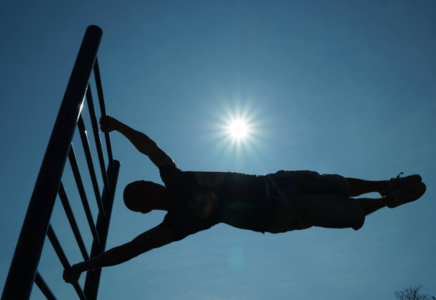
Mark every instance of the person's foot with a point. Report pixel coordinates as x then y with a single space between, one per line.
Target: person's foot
407 194
398 183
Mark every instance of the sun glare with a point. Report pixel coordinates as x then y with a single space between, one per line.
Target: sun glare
238 129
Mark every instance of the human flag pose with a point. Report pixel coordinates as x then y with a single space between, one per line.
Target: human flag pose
274 203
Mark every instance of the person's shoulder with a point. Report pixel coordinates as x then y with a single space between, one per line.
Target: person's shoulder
168 168
174 222
168 173
182 225
171 220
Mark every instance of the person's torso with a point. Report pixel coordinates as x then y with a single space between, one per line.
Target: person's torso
237 199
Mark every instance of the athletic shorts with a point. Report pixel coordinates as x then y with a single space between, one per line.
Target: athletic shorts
302 199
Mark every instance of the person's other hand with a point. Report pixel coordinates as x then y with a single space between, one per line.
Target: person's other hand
72 275
108 124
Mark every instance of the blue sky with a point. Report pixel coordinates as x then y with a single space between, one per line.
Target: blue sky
340 87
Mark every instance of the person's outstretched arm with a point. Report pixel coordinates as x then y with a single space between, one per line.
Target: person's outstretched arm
154 238
140 140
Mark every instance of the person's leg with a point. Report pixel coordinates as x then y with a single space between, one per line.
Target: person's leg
361 186
398 197
370 205
384 187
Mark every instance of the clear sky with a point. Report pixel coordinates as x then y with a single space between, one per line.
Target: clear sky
340 87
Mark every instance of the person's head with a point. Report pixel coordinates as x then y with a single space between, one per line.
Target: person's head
144 196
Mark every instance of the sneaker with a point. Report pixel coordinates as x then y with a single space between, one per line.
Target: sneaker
398 183
407 194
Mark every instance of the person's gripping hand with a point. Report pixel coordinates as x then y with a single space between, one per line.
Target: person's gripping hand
72 275
108 124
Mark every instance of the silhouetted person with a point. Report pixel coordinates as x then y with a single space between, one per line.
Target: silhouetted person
279 202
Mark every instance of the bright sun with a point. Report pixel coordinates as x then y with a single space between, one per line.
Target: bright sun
238 129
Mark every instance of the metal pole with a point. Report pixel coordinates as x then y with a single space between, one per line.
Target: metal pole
93 278
27 254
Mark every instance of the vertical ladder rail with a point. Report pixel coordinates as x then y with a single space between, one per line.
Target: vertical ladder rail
22 272
93 278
